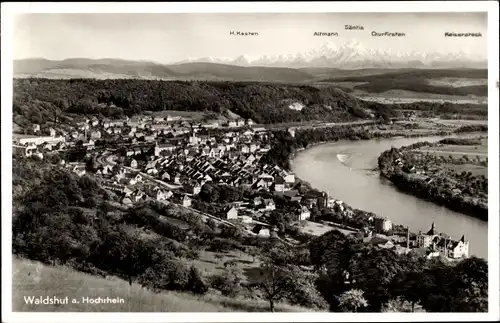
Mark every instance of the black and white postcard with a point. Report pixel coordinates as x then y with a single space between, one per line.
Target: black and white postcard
251 162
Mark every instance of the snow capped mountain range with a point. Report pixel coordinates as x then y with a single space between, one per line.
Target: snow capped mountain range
353 55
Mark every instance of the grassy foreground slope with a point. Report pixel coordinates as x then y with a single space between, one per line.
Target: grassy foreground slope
31 278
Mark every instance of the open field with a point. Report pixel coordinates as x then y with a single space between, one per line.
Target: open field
349 85
402 94
460 123
390 99
457 82
461 149
318 229
474 153
447 151
36 279
210 264
397 85
476 170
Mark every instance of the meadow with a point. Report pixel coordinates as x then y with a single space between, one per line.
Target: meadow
31 278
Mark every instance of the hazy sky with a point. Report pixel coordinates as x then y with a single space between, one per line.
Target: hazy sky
172 37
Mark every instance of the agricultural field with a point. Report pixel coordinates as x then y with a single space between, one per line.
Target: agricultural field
456 159
457 82
476 170
459 123
318 229
473 152
388 98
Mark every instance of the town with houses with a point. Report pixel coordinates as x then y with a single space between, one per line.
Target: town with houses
169 159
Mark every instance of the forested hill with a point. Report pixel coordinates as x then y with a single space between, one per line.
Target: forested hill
39 100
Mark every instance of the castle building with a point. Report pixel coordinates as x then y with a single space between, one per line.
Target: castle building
426 240
443 244
382 224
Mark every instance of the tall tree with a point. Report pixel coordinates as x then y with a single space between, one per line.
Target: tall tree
352 300
280 280
274 283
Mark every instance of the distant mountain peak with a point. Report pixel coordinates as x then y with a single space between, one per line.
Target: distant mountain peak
354 55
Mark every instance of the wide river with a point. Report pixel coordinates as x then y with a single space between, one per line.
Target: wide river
345 170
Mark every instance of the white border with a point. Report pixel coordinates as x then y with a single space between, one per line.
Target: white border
8 9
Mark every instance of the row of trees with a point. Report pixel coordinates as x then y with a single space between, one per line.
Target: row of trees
214 193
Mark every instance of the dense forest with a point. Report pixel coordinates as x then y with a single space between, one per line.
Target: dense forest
39 100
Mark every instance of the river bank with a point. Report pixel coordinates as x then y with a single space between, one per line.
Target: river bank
361 188
429 177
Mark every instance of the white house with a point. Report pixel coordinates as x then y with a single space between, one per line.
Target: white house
163 147
290 178
231 213
453 249
186 201
95 121
133 163
382 224
304 213
253 147
279 184
160 195
152 171
194 188
215 153
165 176
269 205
